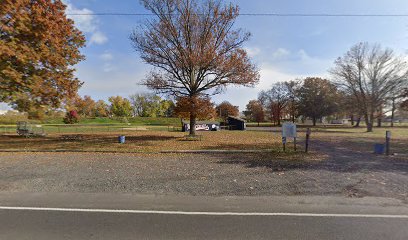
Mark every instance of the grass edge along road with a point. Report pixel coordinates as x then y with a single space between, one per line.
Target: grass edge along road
162 138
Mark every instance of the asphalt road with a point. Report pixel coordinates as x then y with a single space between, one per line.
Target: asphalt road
20 224
114 216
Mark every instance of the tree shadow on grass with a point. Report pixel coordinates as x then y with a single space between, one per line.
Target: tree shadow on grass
149 138
340 161
75 141
274 160
243 146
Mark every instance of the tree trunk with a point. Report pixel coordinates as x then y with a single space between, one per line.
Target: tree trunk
314 121
293 111
369 127
369 122
379 122
393 112
352 120
192 123
358 122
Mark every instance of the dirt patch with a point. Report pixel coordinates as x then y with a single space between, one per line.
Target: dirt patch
143 141
333 172
135 129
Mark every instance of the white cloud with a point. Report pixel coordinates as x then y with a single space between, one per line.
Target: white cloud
252 51
108 67
240 96
106 56
313 65
98 38
86 23
280 53
303 55
109 78
271 75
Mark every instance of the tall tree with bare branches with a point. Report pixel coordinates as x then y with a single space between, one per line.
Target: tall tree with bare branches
193 48
293 87
371 75
275 100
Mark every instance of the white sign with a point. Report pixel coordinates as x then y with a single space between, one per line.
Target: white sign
289 130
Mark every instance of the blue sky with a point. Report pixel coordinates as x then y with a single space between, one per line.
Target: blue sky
284 48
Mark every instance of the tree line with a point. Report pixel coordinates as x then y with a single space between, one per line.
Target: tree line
147 105
366 83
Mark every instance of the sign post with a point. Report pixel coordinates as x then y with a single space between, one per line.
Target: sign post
289 131
284 143
308 131
294 144
387 142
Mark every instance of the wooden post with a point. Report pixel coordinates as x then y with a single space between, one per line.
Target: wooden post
387 142
284 143
307 139
294 144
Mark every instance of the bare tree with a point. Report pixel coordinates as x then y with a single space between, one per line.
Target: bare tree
293 98
404 103
370 74
348 107
397 98
275 100
193 48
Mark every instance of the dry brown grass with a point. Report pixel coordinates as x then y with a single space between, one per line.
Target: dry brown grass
155 140
145 141
360 140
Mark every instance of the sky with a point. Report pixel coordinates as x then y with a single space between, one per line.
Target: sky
283 48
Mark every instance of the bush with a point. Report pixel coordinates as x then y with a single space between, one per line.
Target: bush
71 117
11 117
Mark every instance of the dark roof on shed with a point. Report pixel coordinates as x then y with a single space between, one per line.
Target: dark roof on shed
237 118
202 122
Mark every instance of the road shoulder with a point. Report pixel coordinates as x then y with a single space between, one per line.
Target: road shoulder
258 204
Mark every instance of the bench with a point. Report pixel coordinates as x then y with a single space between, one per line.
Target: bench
71 137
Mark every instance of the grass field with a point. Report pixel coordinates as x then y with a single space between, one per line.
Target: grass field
158 138
5 120
360 140
143 141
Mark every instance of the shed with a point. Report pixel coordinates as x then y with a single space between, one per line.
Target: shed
201 126
236 123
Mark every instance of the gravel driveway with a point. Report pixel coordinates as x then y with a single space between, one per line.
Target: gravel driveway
342 172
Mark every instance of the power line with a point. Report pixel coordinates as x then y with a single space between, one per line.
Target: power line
253 14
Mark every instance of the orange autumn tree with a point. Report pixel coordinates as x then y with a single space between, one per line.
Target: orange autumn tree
202 105
38 47
194 49
85 106
226 109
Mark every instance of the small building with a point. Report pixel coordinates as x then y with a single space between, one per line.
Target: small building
339 121
236 123
201 126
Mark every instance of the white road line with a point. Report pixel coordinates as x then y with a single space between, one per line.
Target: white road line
204 213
